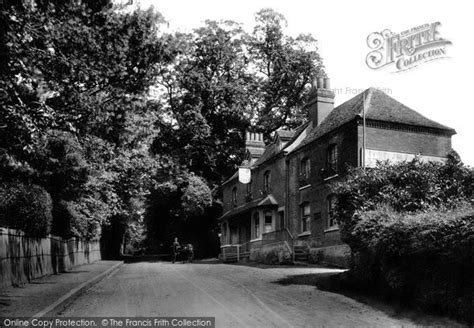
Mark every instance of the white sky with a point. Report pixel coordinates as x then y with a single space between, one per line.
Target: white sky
440 90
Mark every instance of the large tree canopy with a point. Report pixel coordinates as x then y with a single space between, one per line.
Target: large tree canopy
118 122
74 85
225 81
285 67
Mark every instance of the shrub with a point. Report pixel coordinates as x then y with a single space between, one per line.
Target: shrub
422 258
315 255
82 218
410 227
405 187
26 207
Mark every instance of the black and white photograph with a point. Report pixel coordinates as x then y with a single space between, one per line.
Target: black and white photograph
227 164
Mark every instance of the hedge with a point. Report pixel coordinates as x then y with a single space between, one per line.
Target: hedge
27 207
423 259
410 227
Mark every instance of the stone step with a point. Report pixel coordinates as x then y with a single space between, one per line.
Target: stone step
301 257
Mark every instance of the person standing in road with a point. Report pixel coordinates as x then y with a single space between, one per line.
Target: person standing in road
176 248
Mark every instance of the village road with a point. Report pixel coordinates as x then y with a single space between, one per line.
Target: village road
236 295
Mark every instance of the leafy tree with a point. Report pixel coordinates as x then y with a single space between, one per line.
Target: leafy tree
207 100
26 207
176 197
111 116
75 82
285 67
224 80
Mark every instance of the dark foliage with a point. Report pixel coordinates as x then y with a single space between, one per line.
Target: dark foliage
421 259
97 102
25 207
410 227
405 187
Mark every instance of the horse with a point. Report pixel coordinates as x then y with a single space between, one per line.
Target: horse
188 253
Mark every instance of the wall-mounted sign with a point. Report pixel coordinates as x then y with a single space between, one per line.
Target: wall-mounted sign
245 175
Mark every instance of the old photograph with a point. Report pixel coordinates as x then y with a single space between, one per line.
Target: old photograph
206 163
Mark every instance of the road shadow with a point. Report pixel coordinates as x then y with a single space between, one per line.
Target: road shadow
339 283
145 258
165 258
284 266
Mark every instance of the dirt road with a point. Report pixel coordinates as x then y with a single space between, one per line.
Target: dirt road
238 296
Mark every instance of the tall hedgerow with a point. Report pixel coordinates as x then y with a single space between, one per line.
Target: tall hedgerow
26 207
410 227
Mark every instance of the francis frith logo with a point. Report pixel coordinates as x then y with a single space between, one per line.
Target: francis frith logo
407 49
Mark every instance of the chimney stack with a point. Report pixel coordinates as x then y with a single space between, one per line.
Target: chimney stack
254 145
321 100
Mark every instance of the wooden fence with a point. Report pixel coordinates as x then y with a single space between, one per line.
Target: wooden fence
24 258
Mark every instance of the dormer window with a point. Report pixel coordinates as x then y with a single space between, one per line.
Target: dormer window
266 181
234 196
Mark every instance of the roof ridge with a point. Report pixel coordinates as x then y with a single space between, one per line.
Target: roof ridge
367 99
377 105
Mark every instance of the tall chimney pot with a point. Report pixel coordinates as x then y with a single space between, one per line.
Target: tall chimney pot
321 101
254 145
320 83
327 85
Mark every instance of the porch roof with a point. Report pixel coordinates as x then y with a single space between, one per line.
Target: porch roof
268 200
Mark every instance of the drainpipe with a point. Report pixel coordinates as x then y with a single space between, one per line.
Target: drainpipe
363 133
287 205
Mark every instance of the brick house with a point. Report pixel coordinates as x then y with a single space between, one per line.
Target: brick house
288 203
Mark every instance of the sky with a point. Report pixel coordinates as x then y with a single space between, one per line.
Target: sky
439 89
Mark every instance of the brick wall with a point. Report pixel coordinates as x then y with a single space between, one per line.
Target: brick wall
349 139
315 190
316 194
277 169
406 141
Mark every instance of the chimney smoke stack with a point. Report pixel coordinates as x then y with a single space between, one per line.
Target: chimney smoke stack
322 100
320 83
254 145
327 85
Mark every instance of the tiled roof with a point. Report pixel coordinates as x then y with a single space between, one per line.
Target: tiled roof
267 200
270 151
256 152
285 135
379 107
